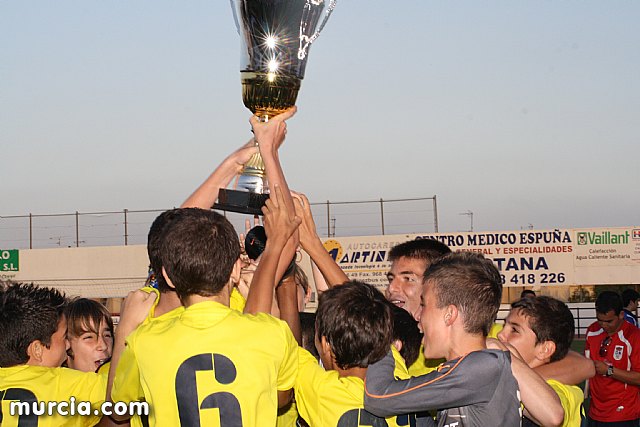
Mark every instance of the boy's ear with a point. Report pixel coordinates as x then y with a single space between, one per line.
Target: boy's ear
397 344
324 345
34 351
234 279
450 315
327 351
166 278
545 350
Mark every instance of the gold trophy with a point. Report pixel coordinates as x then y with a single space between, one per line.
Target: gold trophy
276 36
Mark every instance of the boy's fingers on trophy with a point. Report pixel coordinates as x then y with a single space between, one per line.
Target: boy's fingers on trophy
266 210
285 115
254 120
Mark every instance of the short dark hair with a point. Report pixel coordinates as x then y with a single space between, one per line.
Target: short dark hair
355 319
405 330
198 252
154 242
629 295
551 320
526 292
608 301
27 313
470 282
424 249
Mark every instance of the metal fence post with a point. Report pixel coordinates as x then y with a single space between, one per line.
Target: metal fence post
435 214
77 230
126 234
328 220
30 231
382 214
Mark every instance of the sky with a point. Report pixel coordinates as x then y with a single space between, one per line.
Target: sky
525 113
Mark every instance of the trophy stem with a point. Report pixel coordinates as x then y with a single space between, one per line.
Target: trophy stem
255 166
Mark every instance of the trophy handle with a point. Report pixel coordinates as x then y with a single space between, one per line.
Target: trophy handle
306 40
235 15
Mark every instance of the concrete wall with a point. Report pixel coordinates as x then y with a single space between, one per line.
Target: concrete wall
93 272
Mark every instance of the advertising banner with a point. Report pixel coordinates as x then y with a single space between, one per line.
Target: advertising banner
9 262
528 258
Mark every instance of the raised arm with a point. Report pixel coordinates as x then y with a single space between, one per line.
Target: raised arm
287 298
207 193
312 244
279 223
135 310
270 136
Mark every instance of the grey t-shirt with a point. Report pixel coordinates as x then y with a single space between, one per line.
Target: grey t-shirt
474 390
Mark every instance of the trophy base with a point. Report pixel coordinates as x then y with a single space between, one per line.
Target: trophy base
243 202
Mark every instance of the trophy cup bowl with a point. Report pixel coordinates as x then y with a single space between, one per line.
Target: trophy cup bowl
276 36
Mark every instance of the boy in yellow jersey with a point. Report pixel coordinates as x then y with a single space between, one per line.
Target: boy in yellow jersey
541 330
33 345
223 367
353 329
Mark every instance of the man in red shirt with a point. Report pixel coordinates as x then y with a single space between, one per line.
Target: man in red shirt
614 347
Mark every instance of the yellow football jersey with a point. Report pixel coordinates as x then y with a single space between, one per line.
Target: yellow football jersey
400 372
288 415
423 366
41 384
571 398
208 364
496 328
236 300
136 420
326 399
149 290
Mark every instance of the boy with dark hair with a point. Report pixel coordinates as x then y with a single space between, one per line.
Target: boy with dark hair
253 359
166 298
614 346
353 330
475 387
630 304
33 346
541 330
409 261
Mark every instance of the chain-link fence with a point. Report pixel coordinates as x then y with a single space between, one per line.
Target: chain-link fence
130 227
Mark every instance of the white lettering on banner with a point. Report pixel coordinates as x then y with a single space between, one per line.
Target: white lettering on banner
524 258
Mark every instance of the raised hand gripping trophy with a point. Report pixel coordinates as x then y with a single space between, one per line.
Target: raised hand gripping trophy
276 36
